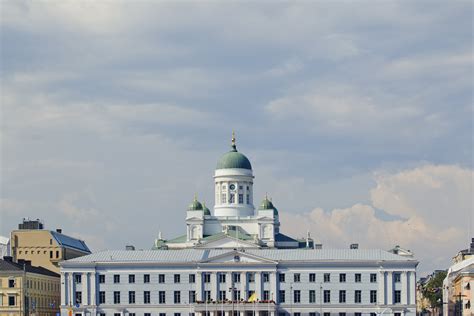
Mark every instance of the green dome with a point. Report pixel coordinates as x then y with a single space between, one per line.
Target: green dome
268 205
234 159
205 210
195 205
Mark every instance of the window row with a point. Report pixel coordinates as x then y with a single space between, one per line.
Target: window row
357 277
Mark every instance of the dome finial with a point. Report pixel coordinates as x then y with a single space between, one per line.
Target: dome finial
234 147
195 197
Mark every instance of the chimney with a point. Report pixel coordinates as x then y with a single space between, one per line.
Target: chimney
59 230
129 247
354 246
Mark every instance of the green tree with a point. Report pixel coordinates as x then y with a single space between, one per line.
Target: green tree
433 291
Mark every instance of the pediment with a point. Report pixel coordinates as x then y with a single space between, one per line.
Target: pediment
239 257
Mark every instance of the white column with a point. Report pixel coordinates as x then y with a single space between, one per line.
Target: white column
85 288
243 285
71 296
228 284
412 292
64 291
390 288
404 288
214 286
258 285
199 296
381 290
273 286
92 288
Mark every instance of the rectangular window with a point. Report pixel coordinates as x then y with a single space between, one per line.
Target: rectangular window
358 278
78 297
162 314
221 277
312 277
251 277
342 314
327 314
231 198
241 198
373 296
207 295
357 314
131 297
397 297
223 197
296 277
297 296
131 278
131 314
50 254
327 277
11 283
327 296
207 277
297 314
192 278
312 314
281 277
177 297
236 295
266 295
101 297
236 277
177 314
161 297
146 297
101 278
116 278
146 278
248 198
11 300
78 278
161 278
57 254
266 277
116 297
250 293
342 296
342 277
358 296
312 296
396 277
192 296
177 278
373 278
221 296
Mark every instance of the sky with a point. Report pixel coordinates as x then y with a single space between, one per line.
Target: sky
357 117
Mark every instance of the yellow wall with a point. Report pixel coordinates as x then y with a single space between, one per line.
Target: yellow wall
38 246
41 289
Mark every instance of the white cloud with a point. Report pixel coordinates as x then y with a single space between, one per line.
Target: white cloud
434 201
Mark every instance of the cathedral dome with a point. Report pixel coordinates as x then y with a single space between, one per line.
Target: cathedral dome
195 205
268 205
205 209
233 159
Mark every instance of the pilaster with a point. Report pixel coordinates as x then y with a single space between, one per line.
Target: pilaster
214 286
404 288
390 288
243 286
93 292
412 288
199 286
381 289
258 285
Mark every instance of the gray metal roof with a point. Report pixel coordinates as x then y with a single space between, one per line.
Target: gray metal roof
196 255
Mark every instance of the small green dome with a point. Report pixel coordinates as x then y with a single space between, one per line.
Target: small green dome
234 159
268 205
205 209
195 205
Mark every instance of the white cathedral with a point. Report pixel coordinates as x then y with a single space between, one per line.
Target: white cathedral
234 223
234 261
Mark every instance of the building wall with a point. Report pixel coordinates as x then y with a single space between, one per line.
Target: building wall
38 246
385 288
42 294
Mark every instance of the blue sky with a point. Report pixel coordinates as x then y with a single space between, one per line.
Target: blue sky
357 117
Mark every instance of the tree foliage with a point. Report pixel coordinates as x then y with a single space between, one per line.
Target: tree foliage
433 290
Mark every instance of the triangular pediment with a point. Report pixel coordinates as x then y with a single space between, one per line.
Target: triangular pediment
227 242
239 257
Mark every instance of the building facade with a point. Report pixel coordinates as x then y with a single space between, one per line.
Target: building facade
44 248
27 290
234 260
458 286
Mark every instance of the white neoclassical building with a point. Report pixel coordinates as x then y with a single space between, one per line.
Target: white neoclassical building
234 261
